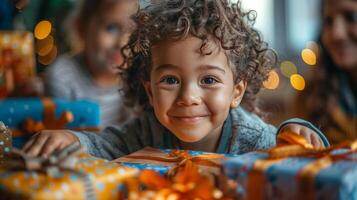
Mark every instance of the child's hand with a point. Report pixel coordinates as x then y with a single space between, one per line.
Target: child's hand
311 136
45 142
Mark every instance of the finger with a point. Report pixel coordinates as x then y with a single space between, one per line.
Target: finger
306 134
292 128
62 145
50 146
316 141
36 147
29 143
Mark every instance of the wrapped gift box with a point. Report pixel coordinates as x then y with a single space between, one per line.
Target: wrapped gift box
25 116
162 160
309 176
88 178
17 60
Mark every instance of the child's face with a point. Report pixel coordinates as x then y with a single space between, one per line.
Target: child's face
107 34
191 93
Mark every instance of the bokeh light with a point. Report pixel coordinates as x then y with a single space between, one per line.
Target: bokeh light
288 68
273 81
43 29
298 82
49 58
308 56
43 47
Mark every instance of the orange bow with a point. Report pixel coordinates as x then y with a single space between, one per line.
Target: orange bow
49 118
296 146
183 181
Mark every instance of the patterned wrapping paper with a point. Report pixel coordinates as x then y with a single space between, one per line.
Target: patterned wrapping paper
17 60
14 111
84 115
104 178
281 178
160 160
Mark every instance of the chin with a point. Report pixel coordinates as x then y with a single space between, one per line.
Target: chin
189 137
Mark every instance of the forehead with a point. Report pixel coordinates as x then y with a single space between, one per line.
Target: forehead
120 9
337 6
187 52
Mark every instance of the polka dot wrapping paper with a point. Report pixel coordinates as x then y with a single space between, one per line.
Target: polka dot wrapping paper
105 180
47 113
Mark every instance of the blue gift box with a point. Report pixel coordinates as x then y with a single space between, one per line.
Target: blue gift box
281 179
14 111
145 159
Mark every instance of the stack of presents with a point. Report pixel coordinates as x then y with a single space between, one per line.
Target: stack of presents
293 170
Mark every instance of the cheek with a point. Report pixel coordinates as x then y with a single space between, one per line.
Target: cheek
163 99
219 102
105 41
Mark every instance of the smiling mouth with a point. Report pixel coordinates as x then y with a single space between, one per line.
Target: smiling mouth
189 119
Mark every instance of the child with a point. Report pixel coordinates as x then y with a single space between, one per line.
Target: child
102 28
190 64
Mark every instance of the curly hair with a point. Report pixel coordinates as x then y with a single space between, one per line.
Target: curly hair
249 56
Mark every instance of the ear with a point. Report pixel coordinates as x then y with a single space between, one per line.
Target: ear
148 90
238 92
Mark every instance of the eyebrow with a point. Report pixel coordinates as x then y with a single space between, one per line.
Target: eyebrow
165 67
202 67
212 67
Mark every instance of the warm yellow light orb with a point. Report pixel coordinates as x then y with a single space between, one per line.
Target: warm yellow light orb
43 29
298 82
44 47
308 56
49 58
273 81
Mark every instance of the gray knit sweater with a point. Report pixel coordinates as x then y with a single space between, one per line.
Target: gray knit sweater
242 132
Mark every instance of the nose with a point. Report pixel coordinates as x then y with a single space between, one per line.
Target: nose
339 28
189 95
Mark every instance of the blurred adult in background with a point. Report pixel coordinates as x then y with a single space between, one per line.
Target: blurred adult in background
330 97
100 28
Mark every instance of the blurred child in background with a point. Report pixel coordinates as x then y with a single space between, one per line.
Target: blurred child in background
330 99
100 29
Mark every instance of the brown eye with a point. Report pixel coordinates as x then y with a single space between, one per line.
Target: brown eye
208 81
170 80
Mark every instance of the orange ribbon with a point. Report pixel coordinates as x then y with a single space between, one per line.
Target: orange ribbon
50 121
296 146
177 158
49 118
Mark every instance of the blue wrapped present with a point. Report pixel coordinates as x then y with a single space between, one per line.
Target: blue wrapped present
25 116
162 160
300 173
